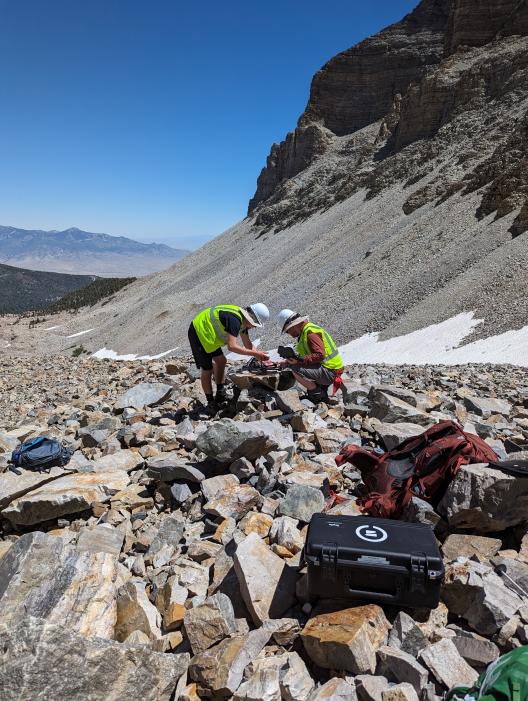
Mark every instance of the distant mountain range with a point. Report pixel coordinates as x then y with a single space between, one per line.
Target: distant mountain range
80 252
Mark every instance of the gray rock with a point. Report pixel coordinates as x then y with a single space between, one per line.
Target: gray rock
14 485
284 532
135 612
267 583
144 394
227 440
406 395
390 409
335 689
400 692
127 460
233 502
242 468
103 538
214 486
171 466
180 492
42 576
460 545
513 573
473 590
486 406
288 401
170 532
402 666
370 687
302 502
484 499
50 661
476 650
220 669
210 622
420 511
394 434
445 662
407 635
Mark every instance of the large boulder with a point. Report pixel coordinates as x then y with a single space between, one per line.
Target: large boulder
39 660
474 591
226 440
390 409
485 499
486 406
14 485
346 640
302 502
267 584
172 466
395 433
210 622
70 494
42 576
144 394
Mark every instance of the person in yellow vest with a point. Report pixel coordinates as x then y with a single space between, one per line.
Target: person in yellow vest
318 364
219 326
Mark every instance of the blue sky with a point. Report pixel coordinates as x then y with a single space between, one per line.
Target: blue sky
153 118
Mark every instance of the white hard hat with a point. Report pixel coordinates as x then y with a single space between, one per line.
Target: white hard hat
257 314
289 318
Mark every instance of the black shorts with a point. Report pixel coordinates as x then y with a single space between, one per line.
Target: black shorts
202 358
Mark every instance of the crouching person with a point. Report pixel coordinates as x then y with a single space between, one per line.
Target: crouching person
219 326
318 364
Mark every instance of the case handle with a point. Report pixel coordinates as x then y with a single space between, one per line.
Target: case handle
362 594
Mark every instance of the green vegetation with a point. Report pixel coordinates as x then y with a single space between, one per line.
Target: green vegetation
77 351
91 294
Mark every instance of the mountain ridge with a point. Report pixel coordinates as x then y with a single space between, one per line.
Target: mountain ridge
73 250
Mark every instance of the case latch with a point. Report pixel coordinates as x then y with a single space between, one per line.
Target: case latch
329 555
419 567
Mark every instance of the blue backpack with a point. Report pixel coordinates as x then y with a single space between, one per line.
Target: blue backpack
40 453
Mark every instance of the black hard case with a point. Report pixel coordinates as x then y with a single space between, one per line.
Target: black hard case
373 559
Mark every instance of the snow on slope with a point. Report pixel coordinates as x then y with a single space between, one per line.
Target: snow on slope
438 344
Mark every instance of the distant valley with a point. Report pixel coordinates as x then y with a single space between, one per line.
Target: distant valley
78 252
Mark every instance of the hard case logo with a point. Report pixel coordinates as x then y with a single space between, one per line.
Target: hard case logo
372 534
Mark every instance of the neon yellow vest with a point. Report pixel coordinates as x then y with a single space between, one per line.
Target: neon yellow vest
210 331
332 359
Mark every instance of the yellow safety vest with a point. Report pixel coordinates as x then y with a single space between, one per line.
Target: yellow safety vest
332 359
209 329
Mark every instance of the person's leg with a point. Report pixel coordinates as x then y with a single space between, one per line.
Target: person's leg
204 362
219 368
305 382
207 384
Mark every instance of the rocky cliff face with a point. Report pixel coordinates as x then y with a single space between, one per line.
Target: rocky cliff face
447 83
357 87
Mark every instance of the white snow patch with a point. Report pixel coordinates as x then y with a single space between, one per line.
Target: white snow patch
52 328
439 344
103 353
79 333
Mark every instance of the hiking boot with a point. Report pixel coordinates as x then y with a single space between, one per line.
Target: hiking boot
317 395
221 396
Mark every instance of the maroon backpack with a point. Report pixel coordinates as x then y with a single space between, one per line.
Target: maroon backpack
421 466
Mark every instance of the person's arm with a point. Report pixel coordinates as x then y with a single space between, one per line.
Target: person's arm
234 347
246 341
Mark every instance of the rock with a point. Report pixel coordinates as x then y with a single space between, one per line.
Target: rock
445 662
395 433
227 440
66 495
486 406
477 651
144 394
485 499
370 687
400 692
210 622
330 440
220 668
335 689
180 492
402 666
287 631
262 684
390 409
135 612
302 502
242 468
513 573
214 486
127 460
267 584
13 486
473 590
406 635
288 401
42 576
51 661
233 502
294 679
103 538
284 531
346 640
420 511
171 466
459 545
254 522
169 533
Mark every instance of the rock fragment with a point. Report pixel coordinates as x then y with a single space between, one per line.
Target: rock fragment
449 668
